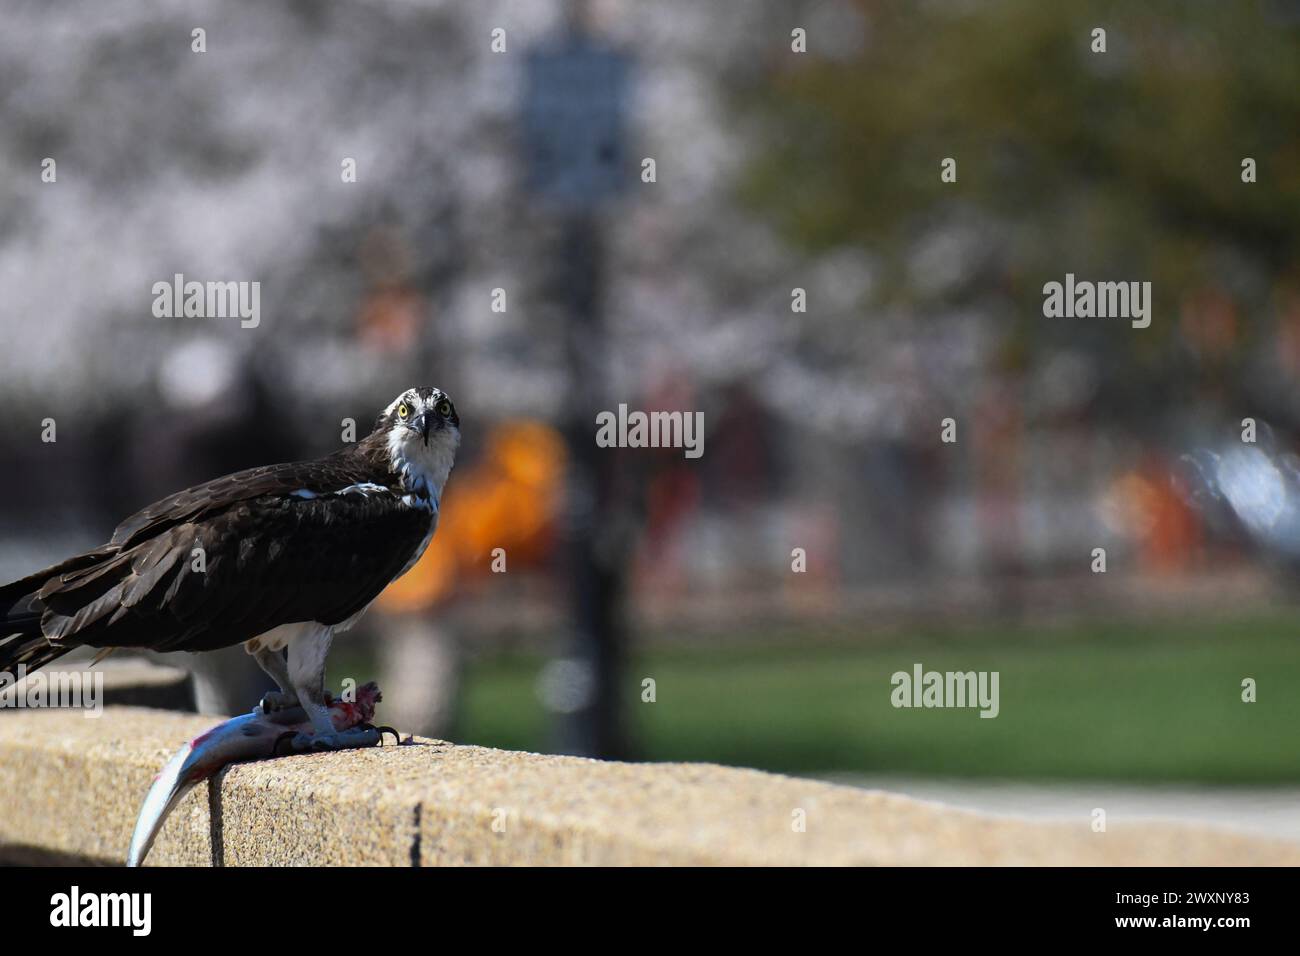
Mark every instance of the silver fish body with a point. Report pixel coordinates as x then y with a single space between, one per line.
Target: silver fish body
251 736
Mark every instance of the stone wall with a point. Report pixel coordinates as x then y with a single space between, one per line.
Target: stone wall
72 787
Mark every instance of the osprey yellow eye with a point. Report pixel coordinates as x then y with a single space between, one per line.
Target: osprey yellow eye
444 408
403 411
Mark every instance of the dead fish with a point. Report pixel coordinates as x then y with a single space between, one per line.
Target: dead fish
251 736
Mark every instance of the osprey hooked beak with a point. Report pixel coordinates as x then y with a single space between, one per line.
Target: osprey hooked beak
422 425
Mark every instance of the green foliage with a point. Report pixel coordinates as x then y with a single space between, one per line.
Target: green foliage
1123 165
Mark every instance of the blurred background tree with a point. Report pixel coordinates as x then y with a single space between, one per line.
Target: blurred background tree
1116 165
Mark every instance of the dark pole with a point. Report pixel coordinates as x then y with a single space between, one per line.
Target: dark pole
595 528
572 118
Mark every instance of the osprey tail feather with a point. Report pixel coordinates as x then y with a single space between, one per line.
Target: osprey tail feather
30 653
22 640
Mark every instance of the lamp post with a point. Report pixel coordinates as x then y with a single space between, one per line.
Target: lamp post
572 120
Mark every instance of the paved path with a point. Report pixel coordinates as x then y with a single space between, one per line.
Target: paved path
1270 811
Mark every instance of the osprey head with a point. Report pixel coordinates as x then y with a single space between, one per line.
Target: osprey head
422 432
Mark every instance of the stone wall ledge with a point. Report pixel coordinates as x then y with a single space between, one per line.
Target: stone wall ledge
72 787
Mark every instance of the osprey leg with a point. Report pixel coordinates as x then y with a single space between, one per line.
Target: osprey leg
273 662
306 666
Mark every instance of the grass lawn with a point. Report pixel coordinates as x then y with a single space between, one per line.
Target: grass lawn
1142 702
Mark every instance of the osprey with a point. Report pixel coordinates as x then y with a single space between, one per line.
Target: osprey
277 558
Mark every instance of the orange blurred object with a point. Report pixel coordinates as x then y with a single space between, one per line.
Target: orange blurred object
1144 505
509 499
391 319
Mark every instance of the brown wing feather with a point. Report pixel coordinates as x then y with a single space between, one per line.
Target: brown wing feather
268 561
319 477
